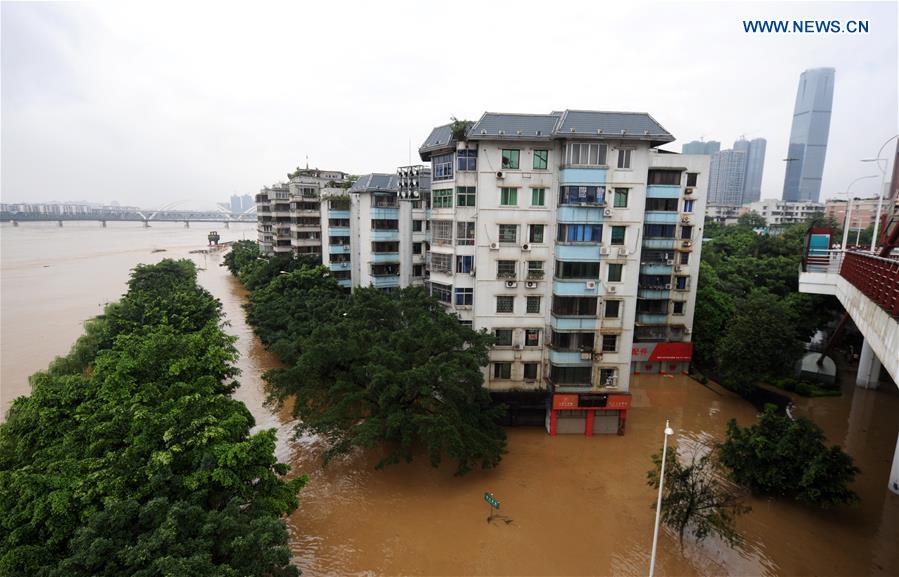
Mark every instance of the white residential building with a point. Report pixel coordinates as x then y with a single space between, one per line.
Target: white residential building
780 212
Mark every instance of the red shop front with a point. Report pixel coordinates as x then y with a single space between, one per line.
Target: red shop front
661 358
588 413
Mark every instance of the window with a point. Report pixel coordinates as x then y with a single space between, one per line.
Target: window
442 231
508 233
678 308
574 306
681 282
502 370
416 226
443 167
380 247
464 263
465 233
685 258
607 377
510 158
572 341
538 196
621 198
506 268
585 154
530 371
441 292
443 198
579 233
508 196
535 233
582 195
503 337
691 178
571 375
465 196
688 205
535 269
609 343
441 262
686 232
658 230
652 306
384 224
655 281
505 304
669 177
466 159
533 305
618 233
532 337
541 159
418 270
466 323
338 222
464 296
614 272
661 204
624 158
613 309
416 248
577 270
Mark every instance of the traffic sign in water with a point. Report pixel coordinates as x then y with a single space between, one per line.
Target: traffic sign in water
492 500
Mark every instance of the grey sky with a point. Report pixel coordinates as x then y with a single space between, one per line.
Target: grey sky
153 103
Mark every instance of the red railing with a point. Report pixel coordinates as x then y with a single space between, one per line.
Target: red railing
876 277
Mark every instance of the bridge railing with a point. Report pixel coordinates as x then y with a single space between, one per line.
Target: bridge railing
876 277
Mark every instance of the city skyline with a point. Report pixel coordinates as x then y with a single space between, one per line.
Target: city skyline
96 96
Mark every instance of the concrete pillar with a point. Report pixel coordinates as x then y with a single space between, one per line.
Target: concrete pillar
146 224
103 223
868 373
894 471
60 224
227 224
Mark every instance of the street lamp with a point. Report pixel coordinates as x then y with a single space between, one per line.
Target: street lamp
655 533
883 180
848 223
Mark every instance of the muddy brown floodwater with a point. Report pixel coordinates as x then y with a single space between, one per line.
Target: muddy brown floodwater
569 505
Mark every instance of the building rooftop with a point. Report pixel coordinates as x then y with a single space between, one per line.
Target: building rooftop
579 124
375 182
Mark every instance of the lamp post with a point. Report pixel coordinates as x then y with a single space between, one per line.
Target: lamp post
849 208
655 533
883 180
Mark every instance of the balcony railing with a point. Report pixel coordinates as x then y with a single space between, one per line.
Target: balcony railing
876 277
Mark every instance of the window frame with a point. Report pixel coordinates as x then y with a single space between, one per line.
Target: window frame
504 239
538 193
505 298
544 158
534 227
508 196
506 160
614 266
613 241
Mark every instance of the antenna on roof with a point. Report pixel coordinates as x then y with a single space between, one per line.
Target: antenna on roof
307 162
410 152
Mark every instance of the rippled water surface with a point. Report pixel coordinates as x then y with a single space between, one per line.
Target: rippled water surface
570 505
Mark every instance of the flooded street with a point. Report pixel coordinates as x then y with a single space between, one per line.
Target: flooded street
569 505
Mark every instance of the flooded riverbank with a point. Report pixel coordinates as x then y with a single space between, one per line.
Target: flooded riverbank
574 506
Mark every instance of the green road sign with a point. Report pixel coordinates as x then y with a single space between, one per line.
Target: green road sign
492 500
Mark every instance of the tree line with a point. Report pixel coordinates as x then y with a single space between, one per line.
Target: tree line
370 368
130 457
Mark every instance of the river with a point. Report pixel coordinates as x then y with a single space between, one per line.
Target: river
570 505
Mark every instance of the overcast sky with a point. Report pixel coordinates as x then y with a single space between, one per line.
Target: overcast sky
154 103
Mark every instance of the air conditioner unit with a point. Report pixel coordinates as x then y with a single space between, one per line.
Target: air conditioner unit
494 246
669 262
677 268
499 174
531 284
590 284
688 191
604 250
607 212
471 272
511 284
667 287
622 251
685 218
525 246
612 288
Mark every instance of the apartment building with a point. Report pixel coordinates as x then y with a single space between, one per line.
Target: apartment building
722 213
570 238
289 215
778 212
864 211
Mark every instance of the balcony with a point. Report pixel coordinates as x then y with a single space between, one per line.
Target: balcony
580 214
385 281
339 249
656 268
653 294
340 265
572 323
658 217
339 231
571 358
385 213
586 176
385 234
385 257
338 214
345 282
575 287
652 319
667 243
663 191
577 252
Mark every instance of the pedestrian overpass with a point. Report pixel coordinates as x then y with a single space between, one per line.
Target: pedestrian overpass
867 285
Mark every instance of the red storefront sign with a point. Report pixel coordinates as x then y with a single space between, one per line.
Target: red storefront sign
672 352
564 402
621 402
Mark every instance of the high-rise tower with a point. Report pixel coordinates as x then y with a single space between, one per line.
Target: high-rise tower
808 137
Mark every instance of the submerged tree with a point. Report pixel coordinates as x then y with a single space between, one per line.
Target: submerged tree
695 500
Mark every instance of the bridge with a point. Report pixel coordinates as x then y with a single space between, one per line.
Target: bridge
104 215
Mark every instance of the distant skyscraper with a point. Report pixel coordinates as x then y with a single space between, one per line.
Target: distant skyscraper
727 175
247 202
235 204
700 147
755 166
808 137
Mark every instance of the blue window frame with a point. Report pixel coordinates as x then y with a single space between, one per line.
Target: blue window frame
467 160
688 205
582 194
443 167
580 233
464 296
464 263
